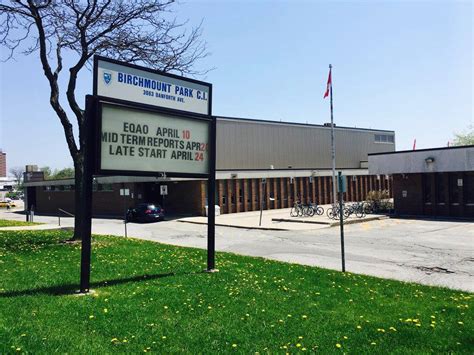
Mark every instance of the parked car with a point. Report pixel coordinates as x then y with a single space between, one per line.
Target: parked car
145 212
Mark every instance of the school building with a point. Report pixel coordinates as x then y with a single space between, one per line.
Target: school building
269 162
437 182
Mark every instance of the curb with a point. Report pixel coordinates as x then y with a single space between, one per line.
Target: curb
31 228
300 221
357 221
332 224
234 226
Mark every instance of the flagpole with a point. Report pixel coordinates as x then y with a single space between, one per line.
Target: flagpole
333 145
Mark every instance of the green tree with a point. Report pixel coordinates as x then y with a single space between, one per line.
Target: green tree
139 31
66 173
466 137
47 172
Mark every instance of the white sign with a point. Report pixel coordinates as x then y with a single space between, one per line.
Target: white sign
124 192
142 141
163 189
459 182
133 84
404 193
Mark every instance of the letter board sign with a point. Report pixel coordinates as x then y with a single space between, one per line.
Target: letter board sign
144 141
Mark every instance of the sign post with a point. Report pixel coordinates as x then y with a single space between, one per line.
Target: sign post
143 122
341 188
163 193
262 198
124 192
86 201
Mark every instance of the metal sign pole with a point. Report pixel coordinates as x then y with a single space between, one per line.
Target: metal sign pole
211 197
263 182
124 209
86 202
333 144
341 220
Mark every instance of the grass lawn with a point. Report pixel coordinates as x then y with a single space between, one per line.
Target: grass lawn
10 223
153 297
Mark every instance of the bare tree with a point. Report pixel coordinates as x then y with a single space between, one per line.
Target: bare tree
139 31
17 173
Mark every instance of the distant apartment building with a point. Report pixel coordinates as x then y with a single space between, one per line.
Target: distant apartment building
3 164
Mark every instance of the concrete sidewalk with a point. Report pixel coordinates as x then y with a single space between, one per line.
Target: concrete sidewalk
251 220
278 219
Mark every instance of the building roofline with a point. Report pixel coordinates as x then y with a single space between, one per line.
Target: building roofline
300 124
423 150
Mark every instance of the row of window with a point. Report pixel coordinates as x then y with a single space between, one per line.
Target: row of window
384 138
95 187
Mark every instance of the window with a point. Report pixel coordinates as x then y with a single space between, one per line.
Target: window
384 138
104 187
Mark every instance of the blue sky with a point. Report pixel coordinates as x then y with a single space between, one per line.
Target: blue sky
399 65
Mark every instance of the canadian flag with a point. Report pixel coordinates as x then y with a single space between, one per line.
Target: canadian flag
328 87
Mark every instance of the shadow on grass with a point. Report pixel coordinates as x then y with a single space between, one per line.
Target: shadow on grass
71 289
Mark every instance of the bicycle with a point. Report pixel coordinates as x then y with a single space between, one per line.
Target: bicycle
318 210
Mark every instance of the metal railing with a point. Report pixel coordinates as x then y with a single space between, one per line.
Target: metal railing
65 212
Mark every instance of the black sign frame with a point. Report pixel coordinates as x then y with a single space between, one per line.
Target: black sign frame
93 121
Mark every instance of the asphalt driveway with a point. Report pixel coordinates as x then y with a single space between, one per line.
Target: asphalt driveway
423 251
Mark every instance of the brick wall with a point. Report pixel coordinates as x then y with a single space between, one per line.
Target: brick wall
285 191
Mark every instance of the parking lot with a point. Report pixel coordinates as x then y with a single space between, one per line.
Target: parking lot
424 251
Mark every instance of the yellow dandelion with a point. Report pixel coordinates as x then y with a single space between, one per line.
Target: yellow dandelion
298 345
105 310
393 328
91 316
460 323
234 345
373 343
359 327
304 316
338 345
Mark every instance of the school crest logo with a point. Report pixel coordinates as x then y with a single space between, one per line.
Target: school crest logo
107 78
